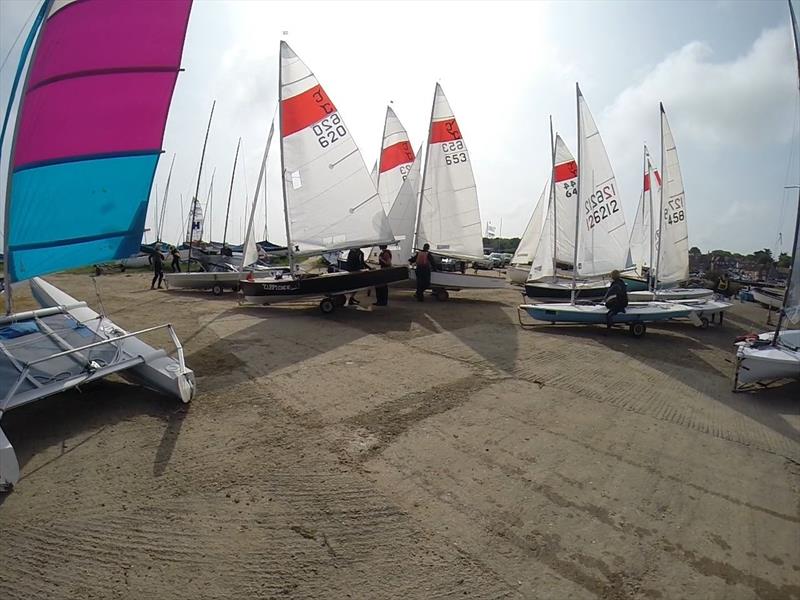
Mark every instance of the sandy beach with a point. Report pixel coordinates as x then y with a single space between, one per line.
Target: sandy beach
417 451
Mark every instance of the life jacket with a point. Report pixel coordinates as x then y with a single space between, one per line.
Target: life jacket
423 259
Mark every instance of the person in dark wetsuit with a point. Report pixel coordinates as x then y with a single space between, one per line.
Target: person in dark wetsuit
355 262
158 268
382 291
176 259
424 261
616 298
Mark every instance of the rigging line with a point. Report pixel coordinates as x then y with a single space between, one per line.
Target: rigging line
19 34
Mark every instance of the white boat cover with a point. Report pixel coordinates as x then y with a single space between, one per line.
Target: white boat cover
449 216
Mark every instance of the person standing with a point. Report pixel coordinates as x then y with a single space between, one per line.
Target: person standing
176 259
158 268
616 297
423 259
382 291
355 262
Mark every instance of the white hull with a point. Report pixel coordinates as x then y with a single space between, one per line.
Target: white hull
202 280
767 363
767 299
159 371
460 281
671 294
596 313
518 274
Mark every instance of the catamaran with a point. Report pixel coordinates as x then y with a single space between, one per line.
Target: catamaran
601 242
448 215
330 200
775 355
86 143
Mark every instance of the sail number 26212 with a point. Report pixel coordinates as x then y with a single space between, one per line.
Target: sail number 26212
329 130
601 205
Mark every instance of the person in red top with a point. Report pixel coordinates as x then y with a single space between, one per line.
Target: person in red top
423 259
382 291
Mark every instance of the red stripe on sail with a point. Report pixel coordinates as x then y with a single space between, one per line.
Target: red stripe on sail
565 171
444 131
646 182
400 153
305 109
658 177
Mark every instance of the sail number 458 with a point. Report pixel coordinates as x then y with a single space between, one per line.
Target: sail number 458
601 205
329 130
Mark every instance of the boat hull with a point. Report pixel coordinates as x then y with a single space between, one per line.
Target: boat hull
770 300
158 371
286 289
449 280
208 280
596 313
518 274
765 363
561 291
671 294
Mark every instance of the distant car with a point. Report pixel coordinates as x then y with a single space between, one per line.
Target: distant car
507 256
497 259
486 263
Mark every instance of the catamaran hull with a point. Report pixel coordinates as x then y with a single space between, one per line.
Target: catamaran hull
158 371
765 363
766 298
287 289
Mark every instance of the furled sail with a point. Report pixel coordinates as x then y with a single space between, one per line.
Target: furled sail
602 236
673 237
395 161
404 212
449 216
196 223
330 199
530 238
89 132
643 232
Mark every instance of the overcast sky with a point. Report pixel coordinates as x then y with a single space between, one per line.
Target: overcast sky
724 70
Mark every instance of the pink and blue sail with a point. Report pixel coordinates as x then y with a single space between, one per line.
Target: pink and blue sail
89 131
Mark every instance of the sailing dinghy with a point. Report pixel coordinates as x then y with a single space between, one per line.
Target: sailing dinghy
85 147
448 215
601 242
520 265
775 355
330 200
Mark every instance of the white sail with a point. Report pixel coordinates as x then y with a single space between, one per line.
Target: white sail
330 199
196 220
565 172
404 212
673 251
449 217
602 236
250 254
395 160
530 238
642 240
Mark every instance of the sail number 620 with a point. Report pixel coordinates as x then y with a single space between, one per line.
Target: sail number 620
329 130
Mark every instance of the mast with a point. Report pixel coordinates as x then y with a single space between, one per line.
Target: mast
230 193
35 28
424 173
553 195
578 201
647 204
380 151
262 170
289 246
197 187
164 202
155 214
664 180
782 312
209 205
266 211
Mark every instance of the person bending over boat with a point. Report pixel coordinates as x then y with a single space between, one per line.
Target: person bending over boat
158 268
382 291
424 261
355 262
616 297
176 259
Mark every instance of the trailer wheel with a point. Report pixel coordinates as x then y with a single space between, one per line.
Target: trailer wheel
638 329
327 306
703 322
217 289
339 300
441 295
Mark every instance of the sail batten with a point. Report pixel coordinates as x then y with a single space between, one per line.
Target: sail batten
90 131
